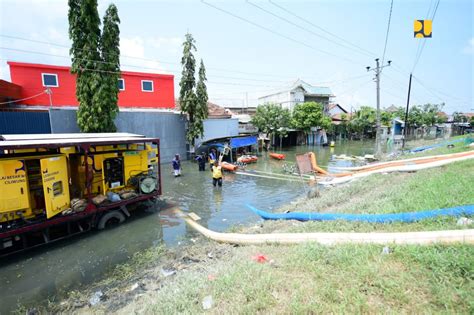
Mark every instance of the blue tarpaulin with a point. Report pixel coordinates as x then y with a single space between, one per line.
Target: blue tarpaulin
243 141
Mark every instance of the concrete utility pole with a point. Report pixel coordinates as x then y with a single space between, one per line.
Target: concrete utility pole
378 71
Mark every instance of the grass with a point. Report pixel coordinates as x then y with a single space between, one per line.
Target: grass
312 278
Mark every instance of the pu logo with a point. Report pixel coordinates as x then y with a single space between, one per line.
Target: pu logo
422 28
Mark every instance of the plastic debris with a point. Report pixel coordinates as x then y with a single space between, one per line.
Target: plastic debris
260 258
96 297
210 255
207 302
211 277
134 286
385 250
113 197
167 272
464 221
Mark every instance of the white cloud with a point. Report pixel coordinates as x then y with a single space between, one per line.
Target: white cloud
469 48
134 57
170 44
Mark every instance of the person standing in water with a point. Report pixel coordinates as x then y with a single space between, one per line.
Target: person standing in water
201 159
177 166
216 174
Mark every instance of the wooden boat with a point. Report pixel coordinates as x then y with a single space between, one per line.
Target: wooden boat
229 167
277 156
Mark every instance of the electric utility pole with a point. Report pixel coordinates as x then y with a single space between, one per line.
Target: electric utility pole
377 71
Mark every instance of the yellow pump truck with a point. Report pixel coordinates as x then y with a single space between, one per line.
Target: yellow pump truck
56 185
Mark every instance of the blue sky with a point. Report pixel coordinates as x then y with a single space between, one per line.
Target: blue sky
246 61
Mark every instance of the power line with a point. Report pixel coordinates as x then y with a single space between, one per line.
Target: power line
146 59
276 33
23 99
418 56
303 28
388 30
320 28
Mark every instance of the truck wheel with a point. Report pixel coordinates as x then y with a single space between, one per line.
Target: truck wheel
110 219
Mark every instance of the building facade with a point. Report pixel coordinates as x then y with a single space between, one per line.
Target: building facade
297 93
136 89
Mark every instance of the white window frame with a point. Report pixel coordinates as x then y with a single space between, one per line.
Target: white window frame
53 74
123 84
152 86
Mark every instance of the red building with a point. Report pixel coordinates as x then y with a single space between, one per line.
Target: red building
137 89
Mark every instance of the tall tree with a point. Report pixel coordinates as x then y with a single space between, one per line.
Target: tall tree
107 95
187 96
84 31
202 98
95 61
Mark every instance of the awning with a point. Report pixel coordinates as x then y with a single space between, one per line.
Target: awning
243 141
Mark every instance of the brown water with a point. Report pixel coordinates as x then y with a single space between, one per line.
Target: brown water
48 272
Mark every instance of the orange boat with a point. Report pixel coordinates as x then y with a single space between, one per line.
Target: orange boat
277 156
229 167
247 159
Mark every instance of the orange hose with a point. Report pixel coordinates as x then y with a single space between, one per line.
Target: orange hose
317 169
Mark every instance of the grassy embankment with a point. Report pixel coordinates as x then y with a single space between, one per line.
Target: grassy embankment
348 278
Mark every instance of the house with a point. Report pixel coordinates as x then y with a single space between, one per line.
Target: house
337 112
298 92
391 109
136 89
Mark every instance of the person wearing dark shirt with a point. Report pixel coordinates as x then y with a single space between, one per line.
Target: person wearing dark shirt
177 166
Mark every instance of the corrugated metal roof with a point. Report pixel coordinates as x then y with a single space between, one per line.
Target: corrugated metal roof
58 143
311 89
65 136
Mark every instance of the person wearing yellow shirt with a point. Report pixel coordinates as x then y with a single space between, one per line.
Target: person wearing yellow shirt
216 174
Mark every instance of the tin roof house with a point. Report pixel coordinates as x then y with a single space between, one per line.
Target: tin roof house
298 92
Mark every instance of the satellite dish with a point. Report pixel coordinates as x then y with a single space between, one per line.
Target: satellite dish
147 185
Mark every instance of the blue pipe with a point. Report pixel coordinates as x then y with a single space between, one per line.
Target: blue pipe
427 147
374 218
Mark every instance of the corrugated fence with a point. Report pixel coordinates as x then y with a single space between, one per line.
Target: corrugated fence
25 122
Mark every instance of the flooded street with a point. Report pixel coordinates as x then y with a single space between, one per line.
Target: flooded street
37 275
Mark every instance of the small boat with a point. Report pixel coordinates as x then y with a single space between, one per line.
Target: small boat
277 156
229 167
247 159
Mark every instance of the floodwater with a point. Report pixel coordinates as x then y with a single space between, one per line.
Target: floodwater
34 277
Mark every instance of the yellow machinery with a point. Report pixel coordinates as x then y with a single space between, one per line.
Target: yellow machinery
41 174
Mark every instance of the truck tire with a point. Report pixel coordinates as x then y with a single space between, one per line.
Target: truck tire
111 218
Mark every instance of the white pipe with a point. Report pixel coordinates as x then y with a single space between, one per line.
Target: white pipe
420 238
357 168
401 168
271 177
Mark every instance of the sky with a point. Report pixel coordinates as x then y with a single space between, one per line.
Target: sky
255 48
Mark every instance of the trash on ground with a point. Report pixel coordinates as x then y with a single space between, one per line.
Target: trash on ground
207 302
134 286
385 250
96 297
167 272
260 258
211 277
464 221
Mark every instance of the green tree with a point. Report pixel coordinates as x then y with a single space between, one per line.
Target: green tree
363 120
272 119
95 62
84 31
472 121
310 114
202 98
459 117
187 96
107 94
